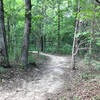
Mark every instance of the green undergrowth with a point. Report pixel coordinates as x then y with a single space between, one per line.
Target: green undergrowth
89 76
2 69
96 98
64 49
75 98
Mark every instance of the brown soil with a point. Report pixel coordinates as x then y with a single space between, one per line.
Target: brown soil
52 79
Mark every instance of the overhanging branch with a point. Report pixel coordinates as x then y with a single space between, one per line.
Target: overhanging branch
97 1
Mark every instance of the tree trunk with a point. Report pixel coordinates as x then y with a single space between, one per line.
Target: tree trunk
75 39
58 46
8 31
92 35
98 1
42 43
27 30
8 36
3 45
43 30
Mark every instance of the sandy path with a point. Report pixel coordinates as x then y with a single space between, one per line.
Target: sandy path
50 82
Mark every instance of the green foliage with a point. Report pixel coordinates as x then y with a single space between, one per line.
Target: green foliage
86 33
99 67
85 76
66 49
96 98
4 76
75 98
2 69
97 64
51 49
87 58
45 22
32 58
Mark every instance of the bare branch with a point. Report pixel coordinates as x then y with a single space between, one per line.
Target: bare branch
86 48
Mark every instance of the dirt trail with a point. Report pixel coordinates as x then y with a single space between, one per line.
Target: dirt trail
51 81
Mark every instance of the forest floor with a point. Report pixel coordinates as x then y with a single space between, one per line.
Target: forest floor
52 79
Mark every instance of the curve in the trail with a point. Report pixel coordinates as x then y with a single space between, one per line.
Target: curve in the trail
50 82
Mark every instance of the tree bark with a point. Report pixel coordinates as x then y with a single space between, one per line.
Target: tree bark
43 43
27 30
3 45
75 39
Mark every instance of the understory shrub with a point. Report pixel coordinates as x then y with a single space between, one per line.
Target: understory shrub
2 69
66 49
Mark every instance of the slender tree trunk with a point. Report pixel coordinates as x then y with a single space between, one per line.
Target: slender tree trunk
39 42
92 36
8 33
43 30
75 39
42 43
74 44
3 45
58 28
8 36
27 30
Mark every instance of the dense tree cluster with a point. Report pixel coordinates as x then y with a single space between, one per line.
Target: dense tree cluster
56 26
